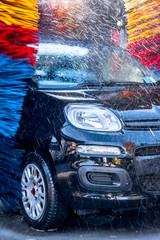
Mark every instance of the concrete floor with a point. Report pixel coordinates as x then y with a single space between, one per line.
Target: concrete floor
132 226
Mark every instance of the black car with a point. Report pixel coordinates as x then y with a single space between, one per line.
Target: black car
91 132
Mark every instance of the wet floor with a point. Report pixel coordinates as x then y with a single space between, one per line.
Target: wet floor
132 226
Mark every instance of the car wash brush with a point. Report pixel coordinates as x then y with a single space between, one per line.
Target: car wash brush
18 40
143 27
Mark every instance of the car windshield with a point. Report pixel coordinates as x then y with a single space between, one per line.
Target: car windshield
59 64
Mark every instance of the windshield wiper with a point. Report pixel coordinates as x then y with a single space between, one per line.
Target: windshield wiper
97 84
156 82
101 85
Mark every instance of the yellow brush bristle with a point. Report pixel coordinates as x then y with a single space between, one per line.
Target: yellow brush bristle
143 19
23 13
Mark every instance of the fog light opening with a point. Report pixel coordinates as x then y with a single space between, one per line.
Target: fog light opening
98 150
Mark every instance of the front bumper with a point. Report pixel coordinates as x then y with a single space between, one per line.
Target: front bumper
81 177
110 202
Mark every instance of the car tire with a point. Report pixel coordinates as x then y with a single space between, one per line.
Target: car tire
42 206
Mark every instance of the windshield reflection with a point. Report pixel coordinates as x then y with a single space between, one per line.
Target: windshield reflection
58 63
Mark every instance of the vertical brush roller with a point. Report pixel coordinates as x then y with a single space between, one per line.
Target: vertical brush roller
18 38
81 20
144 31
61 17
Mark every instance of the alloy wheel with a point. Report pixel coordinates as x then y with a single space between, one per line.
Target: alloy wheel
33 191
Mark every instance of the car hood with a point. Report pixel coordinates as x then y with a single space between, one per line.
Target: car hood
130 104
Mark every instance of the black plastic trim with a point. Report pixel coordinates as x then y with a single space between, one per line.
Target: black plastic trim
123 185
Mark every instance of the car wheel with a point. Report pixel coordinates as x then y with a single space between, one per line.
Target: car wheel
42 206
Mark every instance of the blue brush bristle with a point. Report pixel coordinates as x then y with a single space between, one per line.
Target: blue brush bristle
13 88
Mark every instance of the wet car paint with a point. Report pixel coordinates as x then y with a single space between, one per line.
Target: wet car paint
45 129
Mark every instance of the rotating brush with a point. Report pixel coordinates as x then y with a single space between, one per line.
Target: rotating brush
18 31
60 17
144 31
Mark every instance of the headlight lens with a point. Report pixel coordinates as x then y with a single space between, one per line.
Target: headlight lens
92 117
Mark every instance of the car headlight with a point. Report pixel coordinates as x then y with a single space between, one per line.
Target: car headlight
92 117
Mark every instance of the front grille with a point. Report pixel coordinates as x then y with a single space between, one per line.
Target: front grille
147 166
147 151
151 183
142 124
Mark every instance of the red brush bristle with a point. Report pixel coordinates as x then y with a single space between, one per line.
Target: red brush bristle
144 32
147 51
14 42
